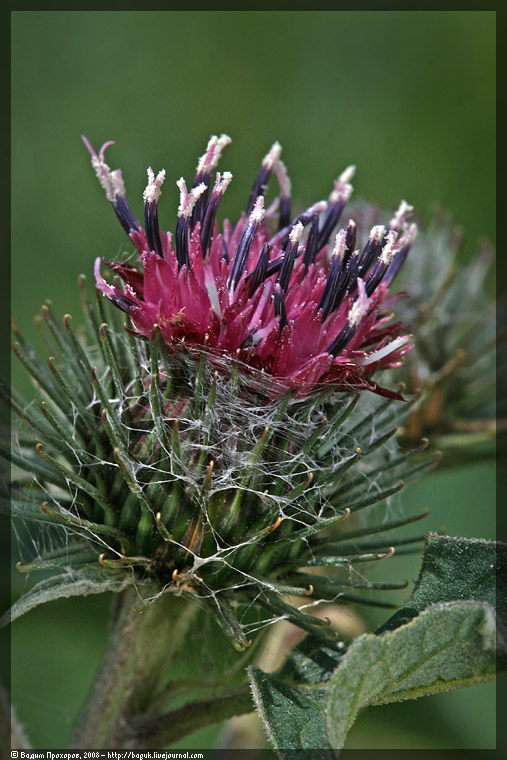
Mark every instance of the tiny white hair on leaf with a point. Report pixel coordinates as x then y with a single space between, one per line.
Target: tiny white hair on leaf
188 199
152 191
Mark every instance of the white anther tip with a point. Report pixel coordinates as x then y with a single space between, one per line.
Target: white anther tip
272 156
339 243
258 211
152 191
296 233
347 174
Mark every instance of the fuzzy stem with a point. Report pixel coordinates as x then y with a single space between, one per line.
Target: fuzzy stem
140 649
160 732
127 708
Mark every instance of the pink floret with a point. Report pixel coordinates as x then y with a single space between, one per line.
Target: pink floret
315 316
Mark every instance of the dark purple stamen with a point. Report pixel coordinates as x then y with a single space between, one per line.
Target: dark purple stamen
242 253
331 219
282 236
284 212
371 252
225 252
280 310
345 335
151 227
260 186
311 249
122 301
350 241
125 214
209 220
375 277
347 279
328 298
396 264
182 228
259 274
199 210
287 264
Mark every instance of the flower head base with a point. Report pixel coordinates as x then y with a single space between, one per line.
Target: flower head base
301 304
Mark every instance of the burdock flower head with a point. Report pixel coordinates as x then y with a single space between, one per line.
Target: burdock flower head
300 303
210 444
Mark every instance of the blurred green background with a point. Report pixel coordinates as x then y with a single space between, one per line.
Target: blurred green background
409 97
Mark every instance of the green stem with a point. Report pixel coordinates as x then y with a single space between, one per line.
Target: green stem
138 654
128 704
162 731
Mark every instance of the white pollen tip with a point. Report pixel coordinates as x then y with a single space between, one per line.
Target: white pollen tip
223 140
208 162
207 157
222 182
221 143
188 199
342 191
152 190
389 249
339 243
347 175
296 233
377 233
360 307
111 182
273 156
258 211
117 183
401 215
409 236
319 207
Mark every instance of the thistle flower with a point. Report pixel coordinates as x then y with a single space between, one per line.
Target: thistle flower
169 462
300 304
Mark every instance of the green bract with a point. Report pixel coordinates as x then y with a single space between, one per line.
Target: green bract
178 473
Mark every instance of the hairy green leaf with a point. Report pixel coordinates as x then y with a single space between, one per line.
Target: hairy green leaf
446 647
442 638
293 717
455 569
90 579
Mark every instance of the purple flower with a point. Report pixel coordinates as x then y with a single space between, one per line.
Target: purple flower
294 299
